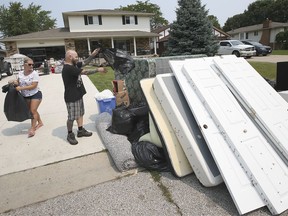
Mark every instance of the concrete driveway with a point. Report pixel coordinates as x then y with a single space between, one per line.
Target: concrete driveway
269 58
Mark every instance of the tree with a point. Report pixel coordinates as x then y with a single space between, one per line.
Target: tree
17 20
147 7
258 12
214 21
282 38
191 33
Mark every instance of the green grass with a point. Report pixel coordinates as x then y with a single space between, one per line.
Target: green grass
279 52
265 69
103 80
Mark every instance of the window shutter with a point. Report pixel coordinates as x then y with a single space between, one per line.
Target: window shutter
85 19
123 20
136 20
100 19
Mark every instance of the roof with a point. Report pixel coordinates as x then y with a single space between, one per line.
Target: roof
101 12
165 38
64 33
161 29
257 27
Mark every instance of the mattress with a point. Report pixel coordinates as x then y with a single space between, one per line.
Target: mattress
186 129
171 145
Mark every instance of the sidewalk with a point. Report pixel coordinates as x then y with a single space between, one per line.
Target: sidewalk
38 168
66 180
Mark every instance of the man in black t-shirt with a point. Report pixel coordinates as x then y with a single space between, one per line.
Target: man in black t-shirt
74 91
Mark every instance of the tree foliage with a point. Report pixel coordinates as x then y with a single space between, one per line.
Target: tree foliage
214 21
257 12
147 7
17 20
282 39
191 33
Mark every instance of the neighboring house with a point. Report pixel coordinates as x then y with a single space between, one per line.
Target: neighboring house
264 33
164 35
83 31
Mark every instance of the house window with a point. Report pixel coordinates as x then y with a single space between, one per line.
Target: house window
126 20
93 20
255 33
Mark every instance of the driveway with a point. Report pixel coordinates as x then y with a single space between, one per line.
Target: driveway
269 58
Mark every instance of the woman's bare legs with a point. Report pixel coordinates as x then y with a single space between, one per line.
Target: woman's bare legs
36 122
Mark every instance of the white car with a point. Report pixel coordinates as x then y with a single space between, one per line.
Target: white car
236 47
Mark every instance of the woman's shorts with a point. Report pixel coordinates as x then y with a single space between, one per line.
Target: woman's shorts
75 109
37 96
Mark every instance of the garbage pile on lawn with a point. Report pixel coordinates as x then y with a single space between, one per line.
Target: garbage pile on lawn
216 117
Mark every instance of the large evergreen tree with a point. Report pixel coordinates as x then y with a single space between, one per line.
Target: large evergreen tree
191 33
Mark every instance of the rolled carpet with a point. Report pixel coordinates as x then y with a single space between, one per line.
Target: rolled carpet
117 145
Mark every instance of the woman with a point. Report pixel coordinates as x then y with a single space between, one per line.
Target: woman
27 85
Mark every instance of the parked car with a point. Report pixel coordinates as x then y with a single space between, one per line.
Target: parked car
260 48
5 67
236 47
269 49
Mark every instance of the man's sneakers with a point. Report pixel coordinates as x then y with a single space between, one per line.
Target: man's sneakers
84 133
71 139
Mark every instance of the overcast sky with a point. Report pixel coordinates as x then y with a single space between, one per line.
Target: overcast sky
222 9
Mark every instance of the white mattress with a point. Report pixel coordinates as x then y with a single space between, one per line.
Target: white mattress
186 129
178 160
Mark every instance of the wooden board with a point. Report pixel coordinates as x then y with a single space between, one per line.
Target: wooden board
243 193
264 167
262 102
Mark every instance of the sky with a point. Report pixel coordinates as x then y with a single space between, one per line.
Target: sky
222 9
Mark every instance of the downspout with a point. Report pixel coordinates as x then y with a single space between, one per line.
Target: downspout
112 42
135 47
155 48
88 44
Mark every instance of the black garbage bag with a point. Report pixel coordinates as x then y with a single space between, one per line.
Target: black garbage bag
5 88
118 59
122 121
15 106
149 156
141 121
132 121
141 128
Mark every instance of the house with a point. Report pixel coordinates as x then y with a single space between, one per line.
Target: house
264 33
84 31
163 31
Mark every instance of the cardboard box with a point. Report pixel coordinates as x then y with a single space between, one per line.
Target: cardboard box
118 85
122 97
120 92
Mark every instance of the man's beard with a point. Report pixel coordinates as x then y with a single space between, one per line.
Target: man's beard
74 62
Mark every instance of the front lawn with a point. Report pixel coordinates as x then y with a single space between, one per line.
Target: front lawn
103 81
265 69
279 52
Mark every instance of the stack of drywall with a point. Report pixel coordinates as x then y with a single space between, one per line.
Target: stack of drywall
247 142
